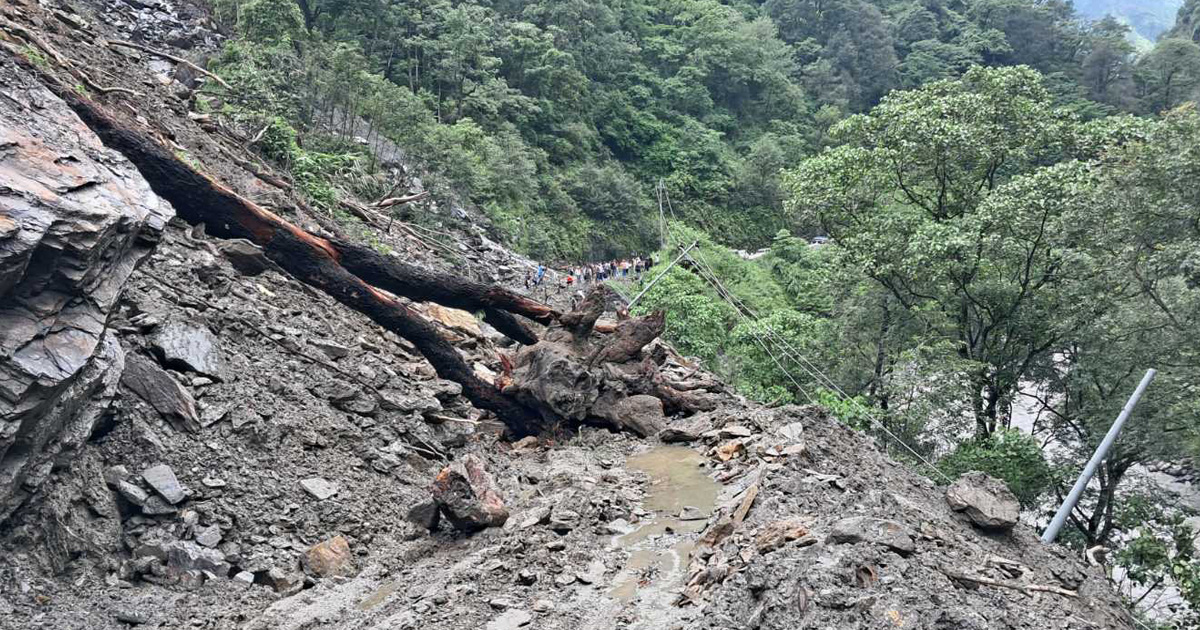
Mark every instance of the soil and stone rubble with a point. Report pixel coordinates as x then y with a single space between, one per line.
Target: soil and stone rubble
265 458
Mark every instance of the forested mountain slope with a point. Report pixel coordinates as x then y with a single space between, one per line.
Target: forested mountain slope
560 117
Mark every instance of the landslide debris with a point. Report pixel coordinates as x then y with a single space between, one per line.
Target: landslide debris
291 483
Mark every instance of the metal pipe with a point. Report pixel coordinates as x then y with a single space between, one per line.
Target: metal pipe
659 277
1081 484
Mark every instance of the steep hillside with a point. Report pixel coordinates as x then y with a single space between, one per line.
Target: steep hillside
1148 19
235 446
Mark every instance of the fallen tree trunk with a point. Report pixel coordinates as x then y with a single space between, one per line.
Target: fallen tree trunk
313 260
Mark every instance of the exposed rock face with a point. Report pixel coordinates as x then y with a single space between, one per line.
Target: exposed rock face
985 500
75 220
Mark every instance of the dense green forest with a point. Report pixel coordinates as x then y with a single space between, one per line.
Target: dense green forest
559 118
1010 192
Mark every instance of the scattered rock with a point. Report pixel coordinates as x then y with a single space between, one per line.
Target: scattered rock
157 506
244 577
213 482
468 496
188 348
510 620
319 487
858 529
132 493
692 513
131 617
985 500
563 520
285 582
593 574
425 514
246 257
329 557
209 536
331 349
776 534
793 432
113 475
162 479
543 605
153 385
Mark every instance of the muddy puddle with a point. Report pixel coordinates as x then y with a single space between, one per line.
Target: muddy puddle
681 497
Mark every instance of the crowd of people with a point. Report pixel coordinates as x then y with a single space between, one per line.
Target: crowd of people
588 273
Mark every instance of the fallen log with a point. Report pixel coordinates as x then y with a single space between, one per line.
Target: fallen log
311 259
170 57
423 285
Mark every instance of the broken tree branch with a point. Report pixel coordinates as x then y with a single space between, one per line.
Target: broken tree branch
164 55
1016 586
395 201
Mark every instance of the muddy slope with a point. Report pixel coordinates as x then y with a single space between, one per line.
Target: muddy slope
258 459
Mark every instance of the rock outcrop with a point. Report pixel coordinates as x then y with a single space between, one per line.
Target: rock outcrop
75 220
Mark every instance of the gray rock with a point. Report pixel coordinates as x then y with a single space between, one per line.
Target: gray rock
162 479
510 620
564 520
985 500
641 414
132 493
77 219
188 348
245 256
692 513
859 529
593 574
244 577
319 487
183 556
157 506
170 399
113 475
131 617
209 536
425 514
331 349
793 432
285 582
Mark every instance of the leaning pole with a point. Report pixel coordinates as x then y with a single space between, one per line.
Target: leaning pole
1080 484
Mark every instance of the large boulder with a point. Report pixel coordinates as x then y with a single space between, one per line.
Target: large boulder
75 220
985 500
468 496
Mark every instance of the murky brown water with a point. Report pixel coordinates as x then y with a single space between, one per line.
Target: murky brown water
656 568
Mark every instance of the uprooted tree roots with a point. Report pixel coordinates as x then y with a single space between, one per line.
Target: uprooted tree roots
625 379
579 373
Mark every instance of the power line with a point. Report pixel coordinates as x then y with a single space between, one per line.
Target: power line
791 352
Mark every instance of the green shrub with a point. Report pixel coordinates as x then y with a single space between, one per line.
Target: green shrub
1009 455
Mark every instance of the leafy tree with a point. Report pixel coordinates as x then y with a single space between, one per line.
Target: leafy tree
1169 74
921 195
1008 454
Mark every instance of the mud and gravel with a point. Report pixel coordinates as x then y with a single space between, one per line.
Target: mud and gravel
310 423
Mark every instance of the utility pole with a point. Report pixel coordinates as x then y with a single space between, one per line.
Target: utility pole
1081 484
661 274
662 221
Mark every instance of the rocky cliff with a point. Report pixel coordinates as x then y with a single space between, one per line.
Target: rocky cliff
201 440
75 221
